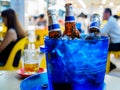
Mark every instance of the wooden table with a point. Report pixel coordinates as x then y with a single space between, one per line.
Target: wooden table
10 80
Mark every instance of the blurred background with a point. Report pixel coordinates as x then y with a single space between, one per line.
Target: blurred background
33 13
30 9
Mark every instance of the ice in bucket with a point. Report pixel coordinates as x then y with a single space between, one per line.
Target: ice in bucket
76 64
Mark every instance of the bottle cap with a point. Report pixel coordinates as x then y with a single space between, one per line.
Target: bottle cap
51 12
68 4
69 13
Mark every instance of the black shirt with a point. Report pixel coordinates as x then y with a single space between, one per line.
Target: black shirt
6 52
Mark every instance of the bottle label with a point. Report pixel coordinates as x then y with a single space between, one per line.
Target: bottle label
54 27
94 25
69 19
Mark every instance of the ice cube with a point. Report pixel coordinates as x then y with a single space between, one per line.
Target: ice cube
66 38
83 36
93 36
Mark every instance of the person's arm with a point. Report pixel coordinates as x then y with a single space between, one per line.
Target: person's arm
10 37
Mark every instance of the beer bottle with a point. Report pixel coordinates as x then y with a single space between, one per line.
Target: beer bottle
70 24
95 24
53 27
94 28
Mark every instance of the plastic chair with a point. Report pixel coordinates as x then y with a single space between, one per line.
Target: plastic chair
116 54
19 46
43 62
108 64
40 34
3 32
4 28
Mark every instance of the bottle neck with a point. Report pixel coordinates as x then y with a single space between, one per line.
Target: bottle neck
69 17
69 10
53 23
52 20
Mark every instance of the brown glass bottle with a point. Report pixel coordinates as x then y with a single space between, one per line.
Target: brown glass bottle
70 24
53 26
94 30
95 24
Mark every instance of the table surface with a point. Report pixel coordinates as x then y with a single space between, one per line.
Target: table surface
10 80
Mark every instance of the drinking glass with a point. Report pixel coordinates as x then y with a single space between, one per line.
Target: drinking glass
31 61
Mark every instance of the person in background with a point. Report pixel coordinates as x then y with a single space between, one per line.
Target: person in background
41 22
13 34
116 17
112 29
32 20
82 23
61 23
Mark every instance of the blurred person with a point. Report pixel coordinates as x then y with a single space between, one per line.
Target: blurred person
118 20
13 34
61 23
82 23
116 17
41 21
78 25
32 20
112 29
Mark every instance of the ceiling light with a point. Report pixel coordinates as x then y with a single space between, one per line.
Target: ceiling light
101 6
82 3
111 4
118 7
104 1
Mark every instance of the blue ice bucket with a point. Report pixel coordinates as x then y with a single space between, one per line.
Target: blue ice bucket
76 64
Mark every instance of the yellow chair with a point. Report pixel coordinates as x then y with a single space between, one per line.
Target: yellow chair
4 28
108 64
9 64
3 31
116 54
62 28
43 62
40 34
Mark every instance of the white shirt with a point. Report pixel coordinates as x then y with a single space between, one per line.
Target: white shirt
112 29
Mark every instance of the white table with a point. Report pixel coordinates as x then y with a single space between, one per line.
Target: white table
112 83
10 80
